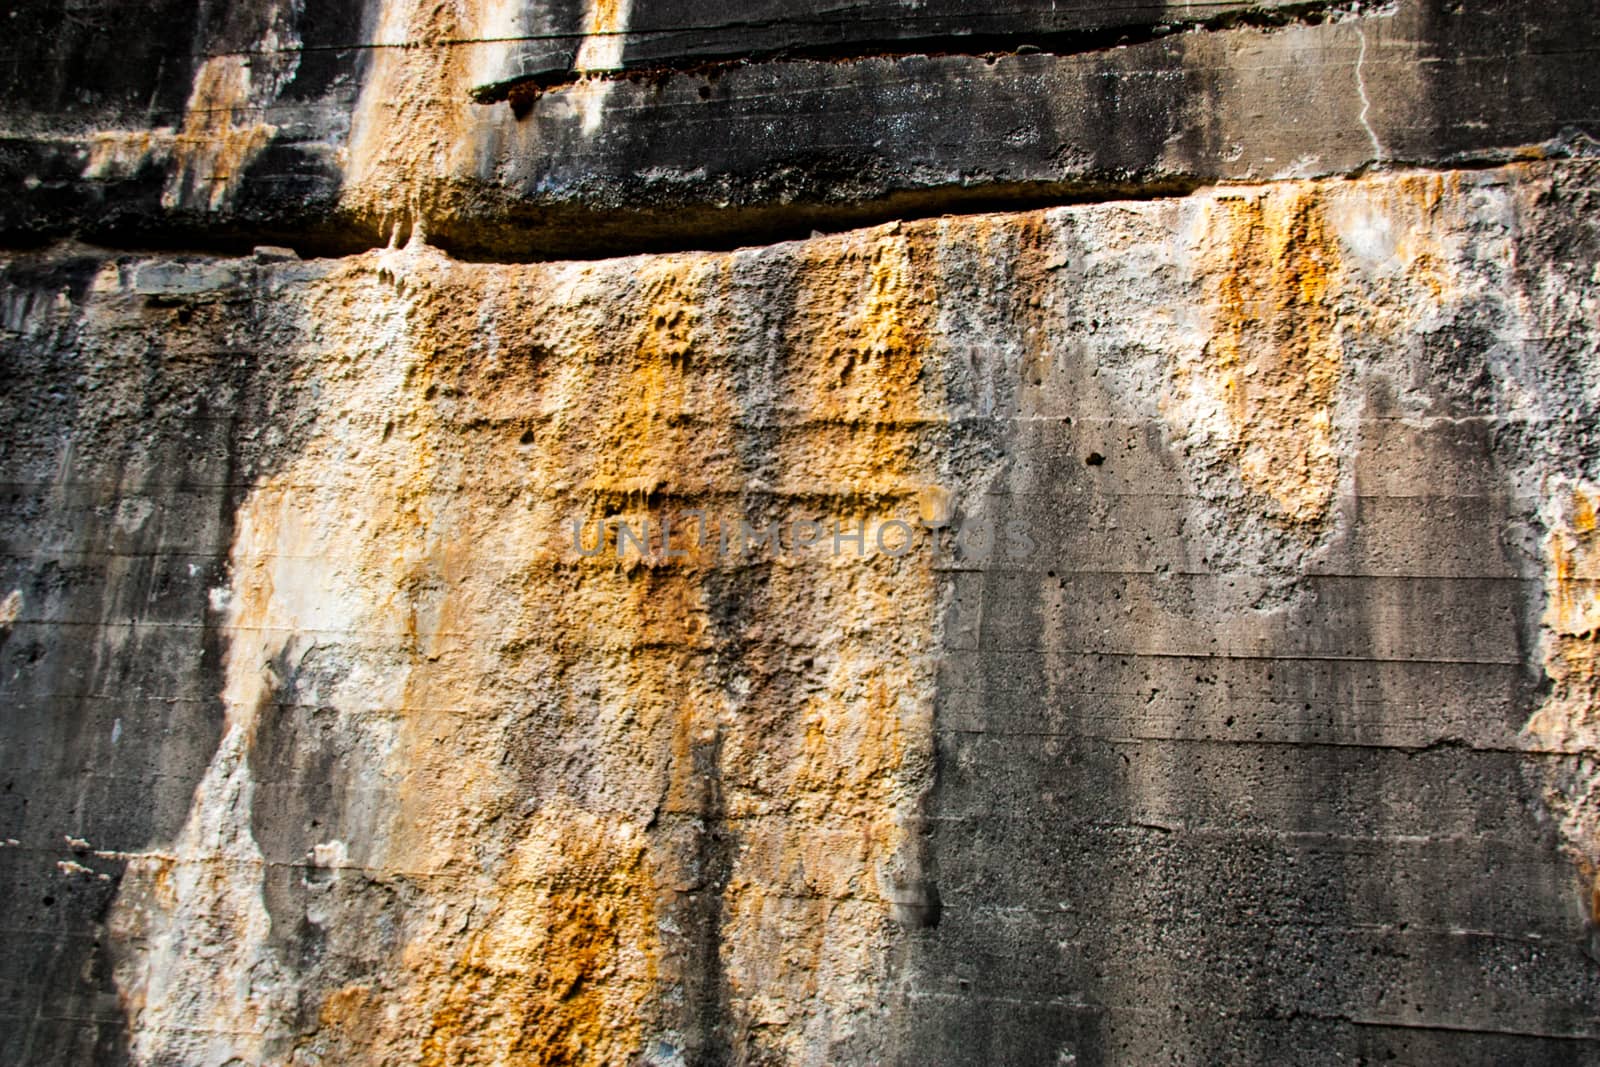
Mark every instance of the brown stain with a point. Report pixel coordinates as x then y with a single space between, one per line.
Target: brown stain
641 421
603 16
412 130
559 972
667 333
817 768
1573 612
1274 357
1415 200
536 935
348 1021
861 313
1583 514
222 132
665 424
117 155
666 440
604 23
862 325
530 935
225 123
1569 719
583 756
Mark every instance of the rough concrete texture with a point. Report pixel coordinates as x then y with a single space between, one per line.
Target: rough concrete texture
333 127
1195 656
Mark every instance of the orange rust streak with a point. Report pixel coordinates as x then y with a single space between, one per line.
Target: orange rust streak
1274 354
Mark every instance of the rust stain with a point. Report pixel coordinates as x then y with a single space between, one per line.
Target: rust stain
1583 513
1573 546
1417 199
1276 351
349 1020
224 127
1569 719
119 154
819 767
1272 366
564 961
666 427
562 736
604 43
412 129
862 324
222 132
564 970
565 741
602 19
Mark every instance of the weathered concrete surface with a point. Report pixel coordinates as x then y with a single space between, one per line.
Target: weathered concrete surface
322 743
546 46
333 127
1264 731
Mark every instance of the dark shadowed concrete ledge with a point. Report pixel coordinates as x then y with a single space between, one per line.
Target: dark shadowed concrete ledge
332 148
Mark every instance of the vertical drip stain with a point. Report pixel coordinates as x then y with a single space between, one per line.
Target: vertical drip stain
605 25
1568 721
556 971
225 123
1263 391
818 769
669 804
413 120
598 806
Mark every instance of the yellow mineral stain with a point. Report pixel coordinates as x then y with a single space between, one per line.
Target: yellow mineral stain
605 25
223 130
563 971
119 154
1583 513
1573 606
1416 199
547 726
346 1006
347 1023
865 324
1273 362
655 423
224 127
672 286
559 971
823 775
225 124
848 763
1397 234
413 124
1569 719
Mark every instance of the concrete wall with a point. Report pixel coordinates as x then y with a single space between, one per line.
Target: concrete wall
1261 339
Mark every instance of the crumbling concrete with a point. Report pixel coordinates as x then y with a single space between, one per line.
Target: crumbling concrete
1178 643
